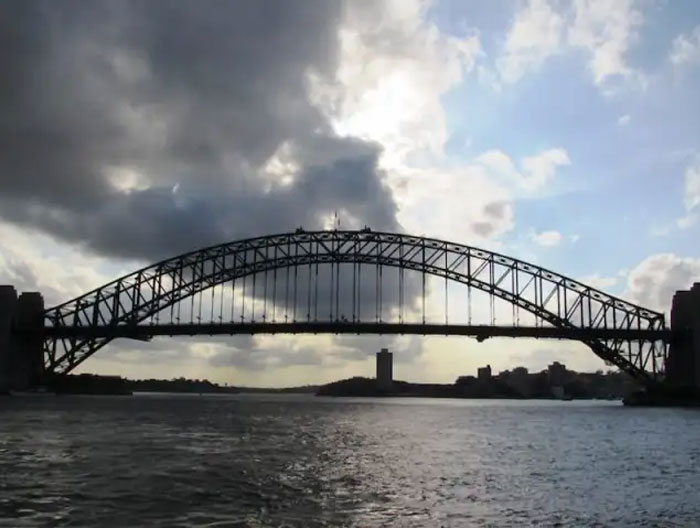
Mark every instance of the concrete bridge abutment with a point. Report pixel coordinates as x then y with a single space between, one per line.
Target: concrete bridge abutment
683 363
21 339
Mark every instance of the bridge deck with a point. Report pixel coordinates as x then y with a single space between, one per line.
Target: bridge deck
340 327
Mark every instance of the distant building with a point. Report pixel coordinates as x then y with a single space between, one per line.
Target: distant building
484 373
518 379
519 372
385 368
465 380
557 374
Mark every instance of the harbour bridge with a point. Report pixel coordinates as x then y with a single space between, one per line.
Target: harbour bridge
343 282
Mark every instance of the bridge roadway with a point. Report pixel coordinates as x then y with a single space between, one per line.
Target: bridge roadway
481 332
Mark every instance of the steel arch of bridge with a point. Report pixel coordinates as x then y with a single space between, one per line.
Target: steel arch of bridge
599 320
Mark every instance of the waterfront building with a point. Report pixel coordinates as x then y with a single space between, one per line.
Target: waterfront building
484 373
557 374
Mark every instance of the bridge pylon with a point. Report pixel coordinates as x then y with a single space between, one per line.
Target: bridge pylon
21 339
683 363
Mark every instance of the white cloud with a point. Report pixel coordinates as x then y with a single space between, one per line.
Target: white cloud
684 222
606 29
686 48
653 281
460 203
394 67
536 170
547 238
691 199
535 35
473 201
692 185
623 120
498 161
540 169
598 281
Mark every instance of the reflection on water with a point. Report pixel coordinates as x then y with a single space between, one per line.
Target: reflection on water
169 460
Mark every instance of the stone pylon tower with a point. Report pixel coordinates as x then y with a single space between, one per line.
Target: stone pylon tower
683 363
21 339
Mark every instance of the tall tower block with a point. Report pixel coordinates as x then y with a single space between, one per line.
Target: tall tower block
385 368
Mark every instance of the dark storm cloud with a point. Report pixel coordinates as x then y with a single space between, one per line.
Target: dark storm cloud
194 98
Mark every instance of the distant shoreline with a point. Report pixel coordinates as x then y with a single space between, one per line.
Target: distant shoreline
516 384
491 388
116 385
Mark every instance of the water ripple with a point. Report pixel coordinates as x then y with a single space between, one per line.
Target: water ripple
301 461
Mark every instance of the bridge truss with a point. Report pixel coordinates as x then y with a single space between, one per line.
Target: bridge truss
320 281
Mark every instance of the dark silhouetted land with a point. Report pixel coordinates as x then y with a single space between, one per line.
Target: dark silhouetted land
508 384
98 384
516 383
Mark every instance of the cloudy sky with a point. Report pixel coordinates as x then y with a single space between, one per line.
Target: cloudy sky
565 133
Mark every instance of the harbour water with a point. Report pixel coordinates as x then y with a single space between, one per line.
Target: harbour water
298 460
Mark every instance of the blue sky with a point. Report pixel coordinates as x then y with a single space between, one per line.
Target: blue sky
629 149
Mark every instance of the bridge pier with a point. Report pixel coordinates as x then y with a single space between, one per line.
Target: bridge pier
683 363
8 303
21 339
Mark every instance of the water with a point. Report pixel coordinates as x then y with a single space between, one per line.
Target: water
169 460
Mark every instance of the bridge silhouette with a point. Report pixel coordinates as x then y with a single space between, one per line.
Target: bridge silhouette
278 277
344 282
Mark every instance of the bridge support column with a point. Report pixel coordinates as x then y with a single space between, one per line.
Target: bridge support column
21 339
683 363
8 305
